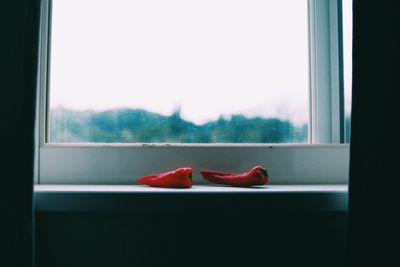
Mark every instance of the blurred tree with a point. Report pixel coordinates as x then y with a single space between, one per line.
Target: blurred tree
141 126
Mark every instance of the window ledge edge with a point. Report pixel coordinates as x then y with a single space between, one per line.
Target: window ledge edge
199 198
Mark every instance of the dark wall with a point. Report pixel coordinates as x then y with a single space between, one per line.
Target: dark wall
18 66
374 161
204 239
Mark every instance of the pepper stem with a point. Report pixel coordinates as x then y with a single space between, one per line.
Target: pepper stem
264 172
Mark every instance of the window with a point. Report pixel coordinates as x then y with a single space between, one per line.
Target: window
147 86
213 71
347 15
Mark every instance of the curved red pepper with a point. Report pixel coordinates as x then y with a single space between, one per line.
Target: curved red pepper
256 176
180 178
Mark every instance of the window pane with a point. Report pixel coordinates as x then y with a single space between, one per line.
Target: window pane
179 71
347 62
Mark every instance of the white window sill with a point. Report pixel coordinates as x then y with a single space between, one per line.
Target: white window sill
134 198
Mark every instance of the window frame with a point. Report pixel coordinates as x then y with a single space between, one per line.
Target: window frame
324 160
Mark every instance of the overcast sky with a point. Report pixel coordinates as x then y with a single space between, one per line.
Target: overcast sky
208 57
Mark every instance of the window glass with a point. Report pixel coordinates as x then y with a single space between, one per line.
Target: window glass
347 62
179 71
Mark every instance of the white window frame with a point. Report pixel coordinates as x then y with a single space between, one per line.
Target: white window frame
323 161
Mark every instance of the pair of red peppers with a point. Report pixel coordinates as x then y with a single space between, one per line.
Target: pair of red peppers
182 178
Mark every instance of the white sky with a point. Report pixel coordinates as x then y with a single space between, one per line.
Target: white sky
209 57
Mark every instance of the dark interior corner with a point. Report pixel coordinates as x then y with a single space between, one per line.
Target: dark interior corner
366 236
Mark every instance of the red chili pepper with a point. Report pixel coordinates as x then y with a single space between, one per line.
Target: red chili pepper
180 178
256 176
